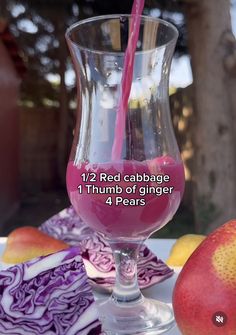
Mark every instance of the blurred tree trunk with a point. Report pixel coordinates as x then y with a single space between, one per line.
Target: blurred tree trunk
212 49
63 109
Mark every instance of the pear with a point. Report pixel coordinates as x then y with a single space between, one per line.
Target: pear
26 243
183 248
204 297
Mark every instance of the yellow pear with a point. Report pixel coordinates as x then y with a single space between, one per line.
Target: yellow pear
183 248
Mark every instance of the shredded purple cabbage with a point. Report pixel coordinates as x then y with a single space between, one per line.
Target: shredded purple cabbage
49 295
97 255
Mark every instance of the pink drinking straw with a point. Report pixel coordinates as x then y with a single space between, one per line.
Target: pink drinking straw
126 80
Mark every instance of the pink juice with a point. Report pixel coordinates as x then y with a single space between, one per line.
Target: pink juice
114 206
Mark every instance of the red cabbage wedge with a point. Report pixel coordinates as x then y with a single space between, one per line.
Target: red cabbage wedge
97 254
49 295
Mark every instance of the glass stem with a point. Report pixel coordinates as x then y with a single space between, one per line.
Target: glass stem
126 287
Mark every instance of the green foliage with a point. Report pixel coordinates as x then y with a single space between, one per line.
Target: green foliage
39 28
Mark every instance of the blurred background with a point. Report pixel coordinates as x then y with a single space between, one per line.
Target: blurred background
38 104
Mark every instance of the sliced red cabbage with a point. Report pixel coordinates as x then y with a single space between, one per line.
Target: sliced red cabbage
97 254
66 226
100 267
49 295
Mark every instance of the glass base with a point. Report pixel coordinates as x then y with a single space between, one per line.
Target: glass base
146 317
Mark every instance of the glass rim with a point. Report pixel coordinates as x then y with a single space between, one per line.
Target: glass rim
79 23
